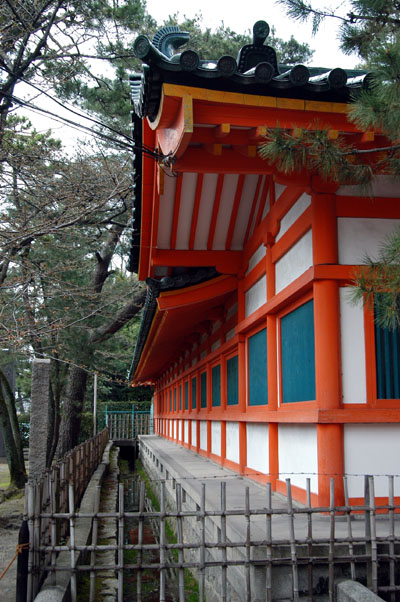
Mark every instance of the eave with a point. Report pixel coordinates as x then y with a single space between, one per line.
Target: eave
171 318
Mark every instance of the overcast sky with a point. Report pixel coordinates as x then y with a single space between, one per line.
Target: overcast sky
240 17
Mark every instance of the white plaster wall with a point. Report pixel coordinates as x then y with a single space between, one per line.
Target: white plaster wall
171 428
257 447
296 261
186 435
232 441
231 311
175 429
279 188
225 210
166 213
298 453
188 193
257 207
256 295
180 430
230 334
205 212
194 432
361 236
293 214
371 449
216 344
354 386
246 202
216 438
203 435
256 258
385 186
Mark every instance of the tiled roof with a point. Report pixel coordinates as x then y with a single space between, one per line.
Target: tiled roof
255 71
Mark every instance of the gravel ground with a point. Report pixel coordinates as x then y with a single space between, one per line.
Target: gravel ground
11 512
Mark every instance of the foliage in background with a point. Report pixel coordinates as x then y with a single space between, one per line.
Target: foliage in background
371 30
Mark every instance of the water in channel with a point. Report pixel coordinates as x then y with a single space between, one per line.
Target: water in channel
142 585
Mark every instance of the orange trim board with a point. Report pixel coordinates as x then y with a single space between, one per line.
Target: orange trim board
254 100
198 293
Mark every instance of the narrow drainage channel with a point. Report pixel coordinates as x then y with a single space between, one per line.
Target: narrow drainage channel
148 588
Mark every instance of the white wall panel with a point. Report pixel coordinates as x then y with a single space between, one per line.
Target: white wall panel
186 434
232 441
205 210
230 334
293 214
257 256
166 214
225 210
188 193
361 236
371 449
257 206
257 447
175 429
256 296
385 186
194 432
216 345
203 435
354 385
298 453
216 438
294 263
246 201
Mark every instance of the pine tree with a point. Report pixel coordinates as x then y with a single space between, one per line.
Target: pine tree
370 30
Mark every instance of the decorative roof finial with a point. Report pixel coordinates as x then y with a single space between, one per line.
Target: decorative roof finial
260 32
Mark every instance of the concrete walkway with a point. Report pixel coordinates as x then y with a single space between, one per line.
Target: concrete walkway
191 470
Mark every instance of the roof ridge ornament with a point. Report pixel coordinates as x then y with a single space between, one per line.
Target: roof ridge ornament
168 39
253 54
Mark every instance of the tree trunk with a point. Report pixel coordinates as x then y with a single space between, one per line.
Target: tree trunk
17 470
72 410
9 401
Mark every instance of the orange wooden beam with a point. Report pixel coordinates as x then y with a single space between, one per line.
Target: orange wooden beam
148 184
226 262
174 139
199 161
197 294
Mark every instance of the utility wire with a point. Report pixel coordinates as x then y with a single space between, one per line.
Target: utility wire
124 145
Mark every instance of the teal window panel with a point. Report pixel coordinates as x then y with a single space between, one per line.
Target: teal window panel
186 395
175 399
216 385
298 354
232 378
387 357
194 393
258 379
180 397
203 390
170 401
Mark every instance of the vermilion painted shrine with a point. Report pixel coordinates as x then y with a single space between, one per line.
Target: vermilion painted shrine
259 360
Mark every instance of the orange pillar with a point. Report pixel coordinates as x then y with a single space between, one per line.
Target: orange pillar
242 373
327 347
242 447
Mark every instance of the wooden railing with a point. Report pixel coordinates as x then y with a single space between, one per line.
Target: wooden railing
50 493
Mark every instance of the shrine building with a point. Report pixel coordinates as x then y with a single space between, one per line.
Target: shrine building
260 362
